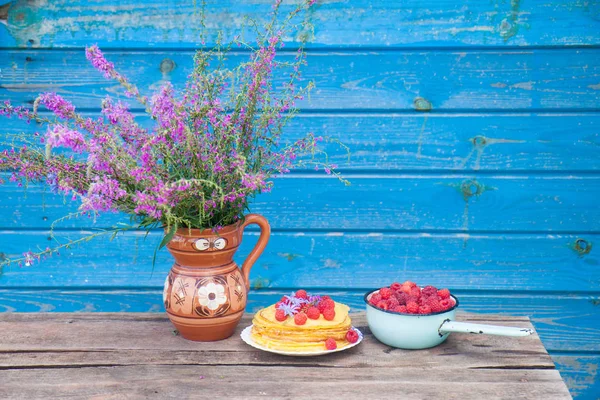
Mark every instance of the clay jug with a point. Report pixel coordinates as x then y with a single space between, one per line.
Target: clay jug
205 293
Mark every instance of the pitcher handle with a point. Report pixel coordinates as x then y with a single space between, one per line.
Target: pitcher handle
265 233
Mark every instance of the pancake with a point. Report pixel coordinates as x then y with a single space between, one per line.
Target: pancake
287 336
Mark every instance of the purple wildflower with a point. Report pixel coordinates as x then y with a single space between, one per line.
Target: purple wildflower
95 56
62 136
59 106
102 195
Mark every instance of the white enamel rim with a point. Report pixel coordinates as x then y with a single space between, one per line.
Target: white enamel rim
247 337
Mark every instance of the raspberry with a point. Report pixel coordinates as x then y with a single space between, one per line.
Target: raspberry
433 303
409 283
393 302
329 314
406 289
278 304
415 291
382 305
412 307
325 304
301 294
300 318
352 336
283 300
401 309
429 291
446 304
414 299
280 315
401 298
443 293
330 344
325 298
396 286
374 299
385 293
313 313
424 310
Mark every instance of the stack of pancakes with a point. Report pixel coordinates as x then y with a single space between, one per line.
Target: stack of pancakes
287 336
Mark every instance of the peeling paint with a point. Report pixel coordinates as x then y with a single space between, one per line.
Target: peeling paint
289 256
421 133
509 26
594 87
480 142
469 188
498 85
523 85
422 104
259 283
4 13
329 263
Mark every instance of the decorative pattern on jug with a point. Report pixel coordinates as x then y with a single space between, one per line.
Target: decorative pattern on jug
205 297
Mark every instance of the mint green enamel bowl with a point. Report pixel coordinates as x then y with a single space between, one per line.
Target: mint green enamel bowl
414 331
407 331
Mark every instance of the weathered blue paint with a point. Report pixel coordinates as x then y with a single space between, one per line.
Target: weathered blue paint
474 130
563 79
515 142
507 262
157 23
384 201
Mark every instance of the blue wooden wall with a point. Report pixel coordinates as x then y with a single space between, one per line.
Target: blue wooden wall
474 130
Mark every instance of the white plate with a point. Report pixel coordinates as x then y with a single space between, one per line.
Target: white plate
247 337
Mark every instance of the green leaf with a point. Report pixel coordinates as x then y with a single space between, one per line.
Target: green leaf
168 237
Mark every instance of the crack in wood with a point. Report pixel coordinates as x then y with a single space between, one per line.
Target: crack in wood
111 365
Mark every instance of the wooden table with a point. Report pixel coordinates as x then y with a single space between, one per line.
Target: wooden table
131 356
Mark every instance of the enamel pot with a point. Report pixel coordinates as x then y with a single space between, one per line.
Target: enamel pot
414 331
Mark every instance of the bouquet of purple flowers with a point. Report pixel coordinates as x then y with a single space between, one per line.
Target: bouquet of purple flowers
213 146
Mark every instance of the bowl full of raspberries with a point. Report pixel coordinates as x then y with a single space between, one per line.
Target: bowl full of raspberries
408 316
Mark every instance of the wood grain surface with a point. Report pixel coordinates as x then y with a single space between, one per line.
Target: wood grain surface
412 141
483 80
139 356
357 23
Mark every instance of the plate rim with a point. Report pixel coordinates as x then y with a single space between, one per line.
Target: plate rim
247 338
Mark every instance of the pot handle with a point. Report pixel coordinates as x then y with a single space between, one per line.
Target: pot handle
467 327
265 233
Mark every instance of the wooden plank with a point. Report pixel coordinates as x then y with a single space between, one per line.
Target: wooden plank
564 322
313 259
266 382
48 347
69 333
133 23
456 142
374 202
531 80
580 373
